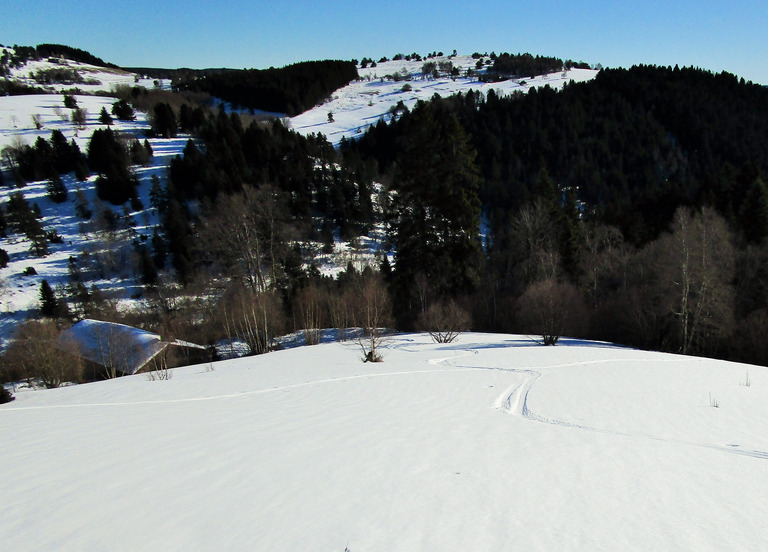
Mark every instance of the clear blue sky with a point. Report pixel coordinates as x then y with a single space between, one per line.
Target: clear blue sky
731 36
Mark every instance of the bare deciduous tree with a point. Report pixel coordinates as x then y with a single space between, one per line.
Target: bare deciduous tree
696 271
310 302
114 346
247 233
340 307
372 314
253 316
604 253
534 243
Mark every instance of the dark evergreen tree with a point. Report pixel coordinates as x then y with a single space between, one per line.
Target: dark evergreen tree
158 198
159 250
104 117
147 268
437 207
106 153
164 120
754 212
178 232
139 154
5 395
123 111
49 305
56 190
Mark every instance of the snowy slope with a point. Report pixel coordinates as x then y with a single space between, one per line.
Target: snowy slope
97 79
491 443
362 103
19 293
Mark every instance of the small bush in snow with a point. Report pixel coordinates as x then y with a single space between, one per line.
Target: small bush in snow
5 395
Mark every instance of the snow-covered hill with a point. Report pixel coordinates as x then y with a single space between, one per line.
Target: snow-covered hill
354 108
490 443
93 79
364 102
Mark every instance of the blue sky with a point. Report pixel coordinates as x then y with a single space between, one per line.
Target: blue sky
731 36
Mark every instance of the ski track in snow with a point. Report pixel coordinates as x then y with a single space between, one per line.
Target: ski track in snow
241 393
514 400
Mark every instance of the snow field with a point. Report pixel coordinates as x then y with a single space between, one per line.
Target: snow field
490 443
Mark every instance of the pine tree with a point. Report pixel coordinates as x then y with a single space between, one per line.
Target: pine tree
754 212
158 198
104 117
164 120
178 232
123 111
56 190
48 303
147 267
438 209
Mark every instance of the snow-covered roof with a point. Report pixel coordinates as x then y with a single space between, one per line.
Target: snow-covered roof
124 348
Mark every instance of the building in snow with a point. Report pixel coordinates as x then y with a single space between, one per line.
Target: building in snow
111 349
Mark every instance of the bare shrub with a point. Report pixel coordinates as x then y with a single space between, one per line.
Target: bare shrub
444 321
372 314
38 353
551 309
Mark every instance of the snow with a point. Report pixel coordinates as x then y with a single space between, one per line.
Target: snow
364 102
19 294
490 443
98 80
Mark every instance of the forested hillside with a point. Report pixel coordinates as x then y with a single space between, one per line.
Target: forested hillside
291 89
631 208
594 196
631 145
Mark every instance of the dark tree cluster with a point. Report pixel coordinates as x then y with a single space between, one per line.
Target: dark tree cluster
305 168
524 65
109 156
292 89
25 220
58 75
123 111
48 158
68 52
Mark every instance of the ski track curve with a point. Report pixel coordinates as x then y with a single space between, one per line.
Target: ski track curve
514 401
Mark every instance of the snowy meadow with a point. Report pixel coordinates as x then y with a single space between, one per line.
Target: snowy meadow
489 443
